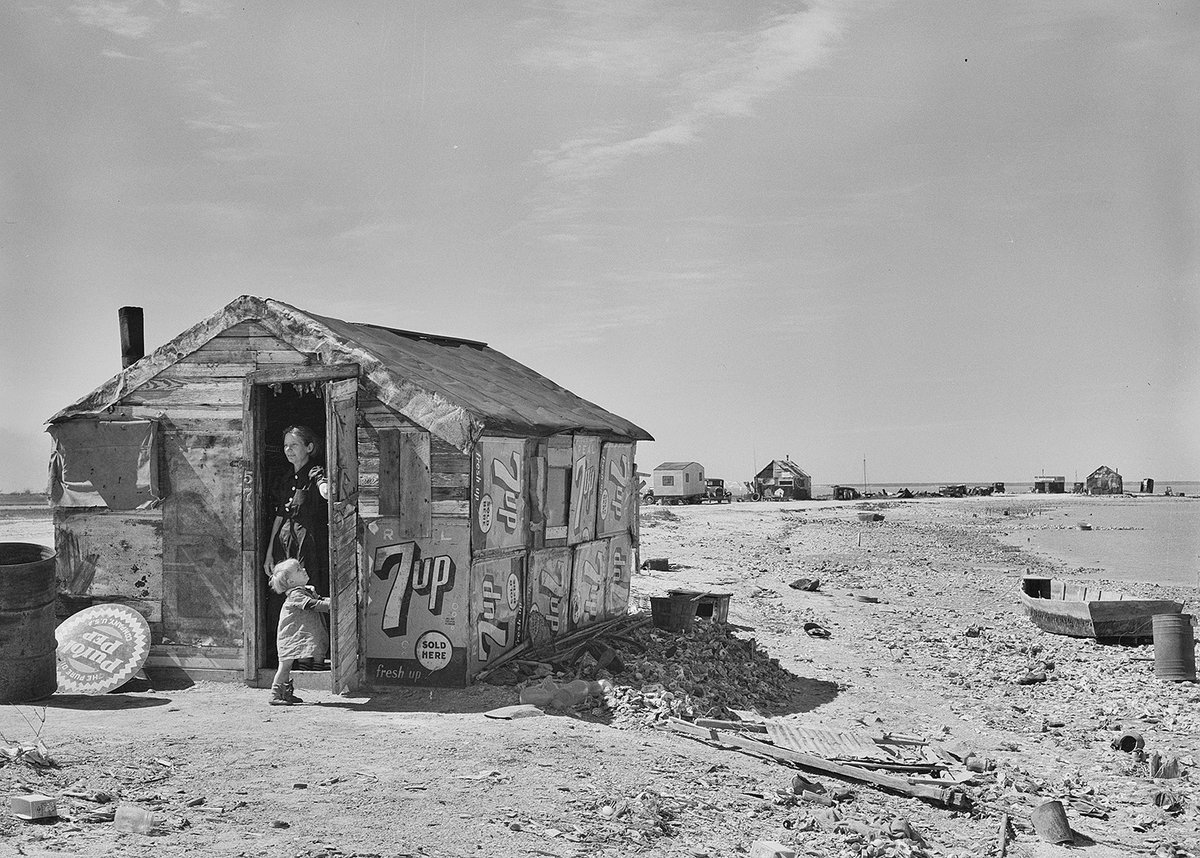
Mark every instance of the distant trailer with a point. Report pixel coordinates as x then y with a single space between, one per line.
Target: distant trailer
679 482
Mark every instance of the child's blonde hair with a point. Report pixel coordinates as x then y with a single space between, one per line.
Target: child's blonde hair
288 574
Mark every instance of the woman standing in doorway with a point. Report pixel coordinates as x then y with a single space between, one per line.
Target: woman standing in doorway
300 530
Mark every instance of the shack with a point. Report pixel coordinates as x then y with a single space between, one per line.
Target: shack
473 503
1104 481
783 479
845 493
1049 485
679 482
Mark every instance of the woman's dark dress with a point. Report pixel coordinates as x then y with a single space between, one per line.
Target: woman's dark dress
303 535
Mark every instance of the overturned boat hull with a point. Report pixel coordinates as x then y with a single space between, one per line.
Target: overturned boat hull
1087 611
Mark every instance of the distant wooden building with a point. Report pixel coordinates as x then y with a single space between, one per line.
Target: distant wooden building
473 502
1049 485
679 482
783 479
845 493
1104 481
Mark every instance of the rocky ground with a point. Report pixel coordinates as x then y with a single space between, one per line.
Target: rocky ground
925 638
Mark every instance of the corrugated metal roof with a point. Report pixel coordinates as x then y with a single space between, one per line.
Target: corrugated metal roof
458 389
675 466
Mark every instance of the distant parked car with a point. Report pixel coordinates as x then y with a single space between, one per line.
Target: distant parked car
714 491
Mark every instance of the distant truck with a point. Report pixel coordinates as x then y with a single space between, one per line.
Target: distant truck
714 492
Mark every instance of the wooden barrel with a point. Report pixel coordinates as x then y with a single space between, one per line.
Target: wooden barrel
1174 647
28 669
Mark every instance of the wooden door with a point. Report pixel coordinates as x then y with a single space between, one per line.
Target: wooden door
345 657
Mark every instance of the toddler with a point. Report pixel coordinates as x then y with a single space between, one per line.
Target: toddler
301 632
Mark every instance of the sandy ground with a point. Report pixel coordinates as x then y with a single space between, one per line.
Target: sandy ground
926 638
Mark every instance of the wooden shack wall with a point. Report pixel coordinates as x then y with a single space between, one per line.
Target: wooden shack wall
416 541
182 561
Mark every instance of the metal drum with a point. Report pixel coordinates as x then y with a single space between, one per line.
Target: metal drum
28 669
1174 647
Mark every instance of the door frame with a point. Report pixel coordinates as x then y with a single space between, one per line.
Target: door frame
254 487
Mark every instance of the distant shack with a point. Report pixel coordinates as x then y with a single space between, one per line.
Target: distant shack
1104 481
1044 485
783 480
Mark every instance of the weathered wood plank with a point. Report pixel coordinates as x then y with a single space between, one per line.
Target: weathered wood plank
389 472
172 393
247 328
191 657
443 480
415 507
451 508
558 451
216 416
248 355
288 374
190 372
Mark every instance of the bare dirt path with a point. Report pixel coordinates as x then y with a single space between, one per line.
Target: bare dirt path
924 638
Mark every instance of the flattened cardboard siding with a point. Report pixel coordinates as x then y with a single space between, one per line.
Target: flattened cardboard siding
619 574
617 495
417 623
585 468
548 594
497 608
589 576
499 495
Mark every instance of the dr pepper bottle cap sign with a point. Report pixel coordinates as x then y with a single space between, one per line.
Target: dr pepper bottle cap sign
100 649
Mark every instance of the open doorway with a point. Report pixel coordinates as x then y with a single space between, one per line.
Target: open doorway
279 406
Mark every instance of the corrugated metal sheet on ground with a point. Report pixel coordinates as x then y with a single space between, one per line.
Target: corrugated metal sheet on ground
830 744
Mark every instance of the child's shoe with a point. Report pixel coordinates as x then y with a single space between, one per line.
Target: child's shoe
290 692
279 696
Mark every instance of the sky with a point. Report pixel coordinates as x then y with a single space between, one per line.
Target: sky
935 241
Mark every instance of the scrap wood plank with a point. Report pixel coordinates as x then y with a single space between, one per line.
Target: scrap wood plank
952 798
836 745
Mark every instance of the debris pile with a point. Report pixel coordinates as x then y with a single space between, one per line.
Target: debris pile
653 675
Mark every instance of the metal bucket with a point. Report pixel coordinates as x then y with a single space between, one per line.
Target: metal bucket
672 613
1050 822
28 668
1174 647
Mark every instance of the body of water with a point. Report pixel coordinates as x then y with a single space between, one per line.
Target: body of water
1151 539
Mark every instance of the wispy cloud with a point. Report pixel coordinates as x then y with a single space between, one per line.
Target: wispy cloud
119 18
113 54
213 10
714 74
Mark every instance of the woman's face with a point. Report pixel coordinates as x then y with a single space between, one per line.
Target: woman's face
296 450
